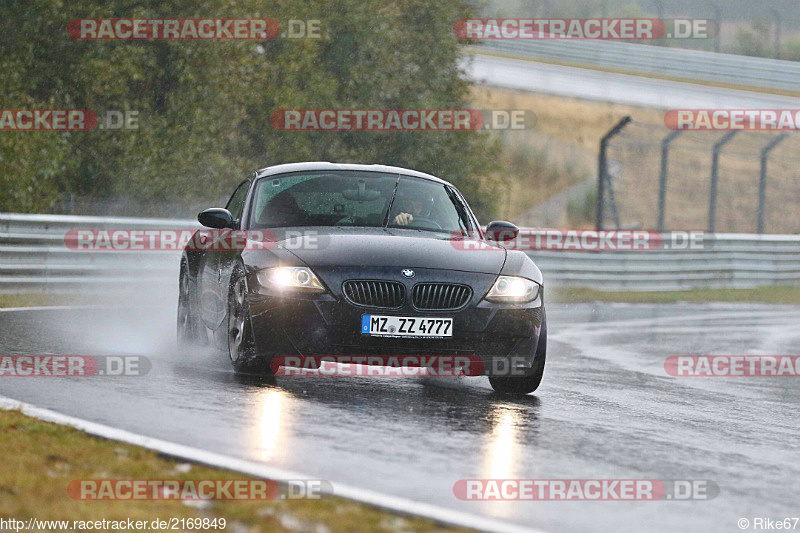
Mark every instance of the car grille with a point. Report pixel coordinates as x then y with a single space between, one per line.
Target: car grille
386 294
441 296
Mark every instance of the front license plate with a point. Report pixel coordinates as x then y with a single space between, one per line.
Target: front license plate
401 326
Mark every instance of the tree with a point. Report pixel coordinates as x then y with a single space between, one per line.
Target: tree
204 107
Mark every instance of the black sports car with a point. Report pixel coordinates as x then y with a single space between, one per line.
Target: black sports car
362 260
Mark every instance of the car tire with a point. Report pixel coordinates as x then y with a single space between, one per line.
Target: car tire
241 342
530 382
189 331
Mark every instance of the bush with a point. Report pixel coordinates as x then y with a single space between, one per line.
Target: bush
205 106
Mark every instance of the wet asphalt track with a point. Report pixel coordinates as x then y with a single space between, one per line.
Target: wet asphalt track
589 84
606 409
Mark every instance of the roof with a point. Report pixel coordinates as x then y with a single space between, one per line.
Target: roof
323 165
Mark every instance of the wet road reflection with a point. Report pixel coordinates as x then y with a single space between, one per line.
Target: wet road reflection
271 433
606 410
502 448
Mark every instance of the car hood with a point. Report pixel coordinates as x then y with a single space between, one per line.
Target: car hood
334 247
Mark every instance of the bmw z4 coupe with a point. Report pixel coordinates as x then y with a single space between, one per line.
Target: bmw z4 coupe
323 259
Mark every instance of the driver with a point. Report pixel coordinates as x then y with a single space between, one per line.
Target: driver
410 206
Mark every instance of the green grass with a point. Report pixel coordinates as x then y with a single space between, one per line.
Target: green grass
41 458
29 300
775 295
39 299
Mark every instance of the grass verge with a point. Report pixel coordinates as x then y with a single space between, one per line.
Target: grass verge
37 299
41 458
773 295
556 152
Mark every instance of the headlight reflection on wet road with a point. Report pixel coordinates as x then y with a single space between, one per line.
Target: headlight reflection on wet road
271 433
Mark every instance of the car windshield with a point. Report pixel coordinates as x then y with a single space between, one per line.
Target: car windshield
361 199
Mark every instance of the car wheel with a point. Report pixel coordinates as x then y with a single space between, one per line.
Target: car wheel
189 331
530 382
241 344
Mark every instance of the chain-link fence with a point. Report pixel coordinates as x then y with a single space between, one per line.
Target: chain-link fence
669 180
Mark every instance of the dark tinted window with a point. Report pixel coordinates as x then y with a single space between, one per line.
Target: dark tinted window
426 205
323 199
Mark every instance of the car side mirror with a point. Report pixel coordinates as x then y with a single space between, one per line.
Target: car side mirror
501 231
217 218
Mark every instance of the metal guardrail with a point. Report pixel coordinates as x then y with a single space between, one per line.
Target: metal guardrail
736 261
648 59
34 258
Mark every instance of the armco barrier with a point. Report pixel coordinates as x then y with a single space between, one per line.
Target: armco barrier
33 258
658 60
736 261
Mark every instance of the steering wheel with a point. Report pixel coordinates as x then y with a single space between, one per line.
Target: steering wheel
416 218
346 220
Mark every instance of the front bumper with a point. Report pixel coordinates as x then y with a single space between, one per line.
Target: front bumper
327 324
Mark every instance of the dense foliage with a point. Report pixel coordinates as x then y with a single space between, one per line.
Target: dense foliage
204 106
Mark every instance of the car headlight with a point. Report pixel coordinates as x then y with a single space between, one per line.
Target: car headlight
511 289
292 278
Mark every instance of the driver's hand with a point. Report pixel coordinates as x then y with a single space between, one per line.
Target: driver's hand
403 219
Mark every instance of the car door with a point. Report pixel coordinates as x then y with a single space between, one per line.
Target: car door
214 270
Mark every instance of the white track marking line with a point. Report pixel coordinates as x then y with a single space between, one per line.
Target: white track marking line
44 308
376 499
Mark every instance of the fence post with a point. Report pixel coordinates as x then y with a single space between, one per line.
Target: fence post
614 210
778 23
718 23
662 179
712 202
762 184
602 168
